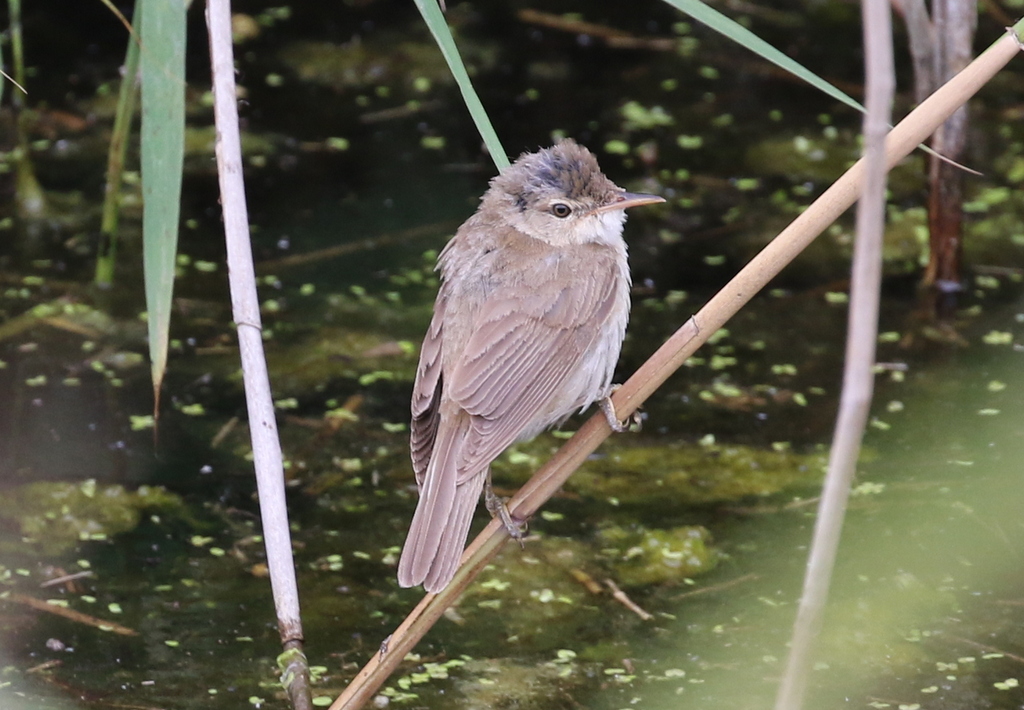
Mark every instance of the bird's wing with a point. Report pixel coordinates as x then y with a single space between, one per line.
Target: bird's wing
528 340
426 394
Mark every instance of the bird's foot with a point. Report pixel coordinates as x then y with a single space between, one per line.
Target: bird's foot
497 508
618 425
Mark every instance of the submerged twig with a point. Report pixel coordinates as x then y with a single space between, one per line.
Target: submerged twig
985 647
40 605
66 578
622 598
716 587
223 432
588 582
613 37
383 240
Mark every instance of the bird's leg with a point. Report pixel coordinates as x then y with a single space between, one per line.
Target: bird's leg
497 508
616 424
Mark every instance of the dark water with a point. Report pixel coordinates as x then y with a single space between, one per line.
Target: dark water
926 604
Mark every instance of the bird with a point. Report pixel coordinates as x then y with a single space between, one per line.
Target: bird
527 328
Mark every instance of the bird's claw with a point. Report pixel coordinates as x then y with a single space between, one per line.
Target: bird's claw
618 425
495 504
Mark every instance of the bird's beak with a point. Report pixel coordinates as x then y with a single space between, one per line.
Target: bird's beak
625 200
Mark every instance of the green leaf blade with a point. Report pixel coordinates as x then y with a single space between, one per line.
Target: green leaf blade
718 22
162 36
443 36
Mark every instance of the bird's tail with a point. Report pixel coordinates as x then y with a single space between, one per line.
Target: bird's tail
440 526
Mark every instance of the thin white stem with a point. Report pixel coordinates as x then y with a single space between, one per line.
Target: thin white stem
858 378
245 308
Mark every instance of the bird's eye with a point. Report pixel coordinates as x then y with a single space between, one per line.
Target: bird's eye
561 210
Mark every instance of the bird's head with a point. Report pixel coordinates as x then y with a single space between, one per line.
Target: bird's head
560 195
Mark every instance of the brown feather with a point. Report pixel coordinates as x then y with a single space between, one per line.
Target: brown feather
426 399
527 328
